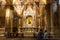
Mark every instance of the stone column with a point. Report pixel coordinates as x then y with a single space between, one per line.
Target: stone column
20 24
59 19
42 15
11 19
48 15
59 14
51 15
41 18
7 17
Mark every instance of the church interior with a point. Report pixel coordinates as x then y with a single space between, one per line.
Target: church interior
27 17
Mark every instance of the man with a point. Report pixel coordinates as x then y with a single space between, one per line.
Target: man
41 34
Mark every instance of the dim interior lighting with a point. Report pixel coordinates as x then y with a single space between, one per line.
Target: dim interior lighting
7 12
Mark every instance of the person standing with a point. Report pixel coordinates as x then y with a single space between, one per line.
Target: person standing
41 34
46 34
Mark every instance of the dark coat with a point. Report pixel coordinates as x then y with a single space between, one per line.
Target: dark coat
41 35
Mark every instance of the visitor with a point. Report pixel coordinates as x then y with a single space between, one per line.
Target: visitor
41 34
46 34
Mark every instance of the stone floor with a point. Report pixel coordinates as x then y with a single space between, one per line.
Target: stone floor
25 38
4 38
